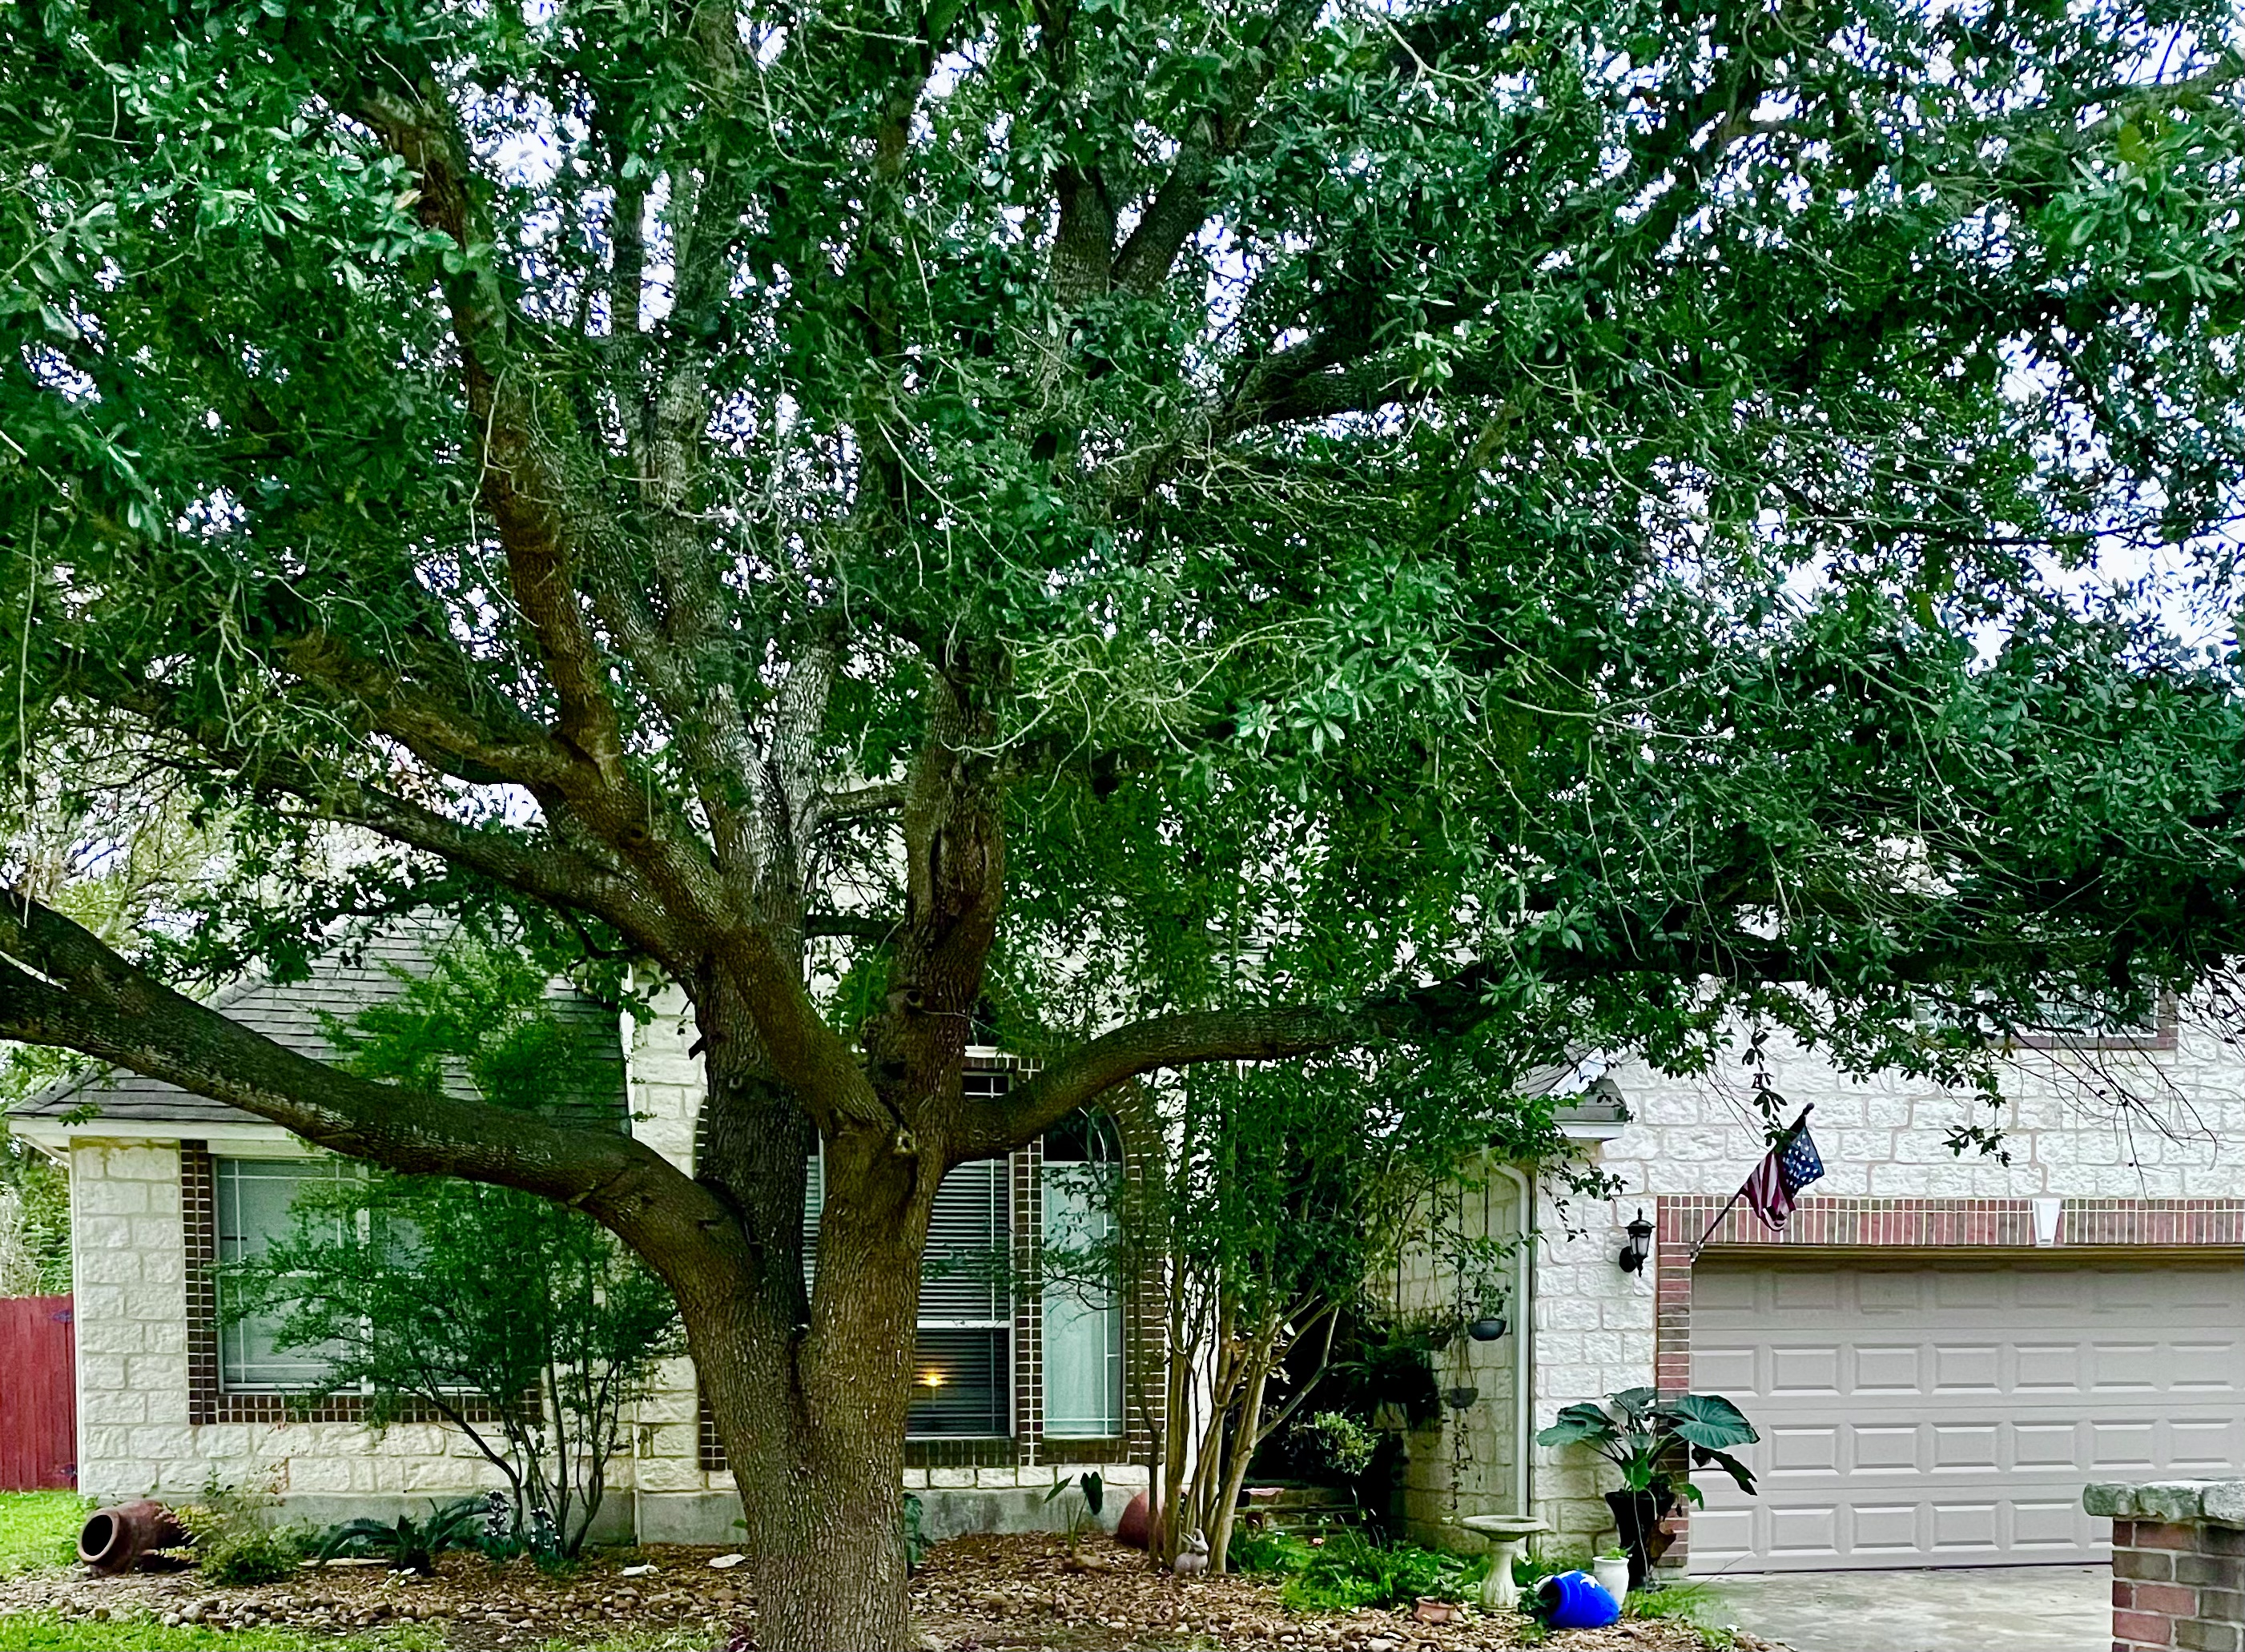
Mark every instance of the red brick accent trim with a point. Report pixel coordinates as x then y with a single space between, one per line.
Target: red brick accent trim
1962 1225
198 1223
2178 1586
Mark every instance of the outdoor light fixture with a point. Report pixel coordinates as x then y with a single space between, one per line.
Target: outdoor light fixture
1633 1253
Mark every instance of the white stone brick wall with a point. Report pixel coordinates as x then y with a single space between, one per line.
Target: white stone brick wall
1432 1458
1882 1137
135 1438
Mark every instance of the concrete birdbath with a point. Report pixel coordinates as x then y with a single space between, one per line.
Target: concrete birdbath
1507 1535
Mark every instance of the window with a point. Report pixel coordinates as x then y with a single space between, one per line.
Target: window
253 1200
1083 1299
962 1371
963 1358
2084 1015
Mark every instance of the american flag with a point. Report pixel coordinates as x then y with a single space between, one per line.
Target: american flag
1777 1179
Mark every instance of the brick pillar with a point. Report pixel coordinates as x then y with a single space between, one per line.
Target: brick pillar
2177 1564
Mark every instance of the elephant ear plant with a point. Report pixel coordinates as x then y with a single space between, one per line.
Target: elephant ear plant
1656 1444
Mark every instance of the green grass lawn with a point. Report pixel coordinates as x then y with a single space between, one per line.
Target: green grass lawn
45 1632
38 1530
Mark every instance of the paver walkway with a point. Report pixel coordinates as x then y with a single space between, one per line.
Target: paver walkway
2011 1608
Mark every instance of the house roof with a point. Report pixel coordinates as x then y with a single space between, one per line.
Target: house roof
340 983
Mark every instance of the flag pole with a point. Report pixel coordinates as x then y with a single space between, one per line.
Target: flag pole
1741 1193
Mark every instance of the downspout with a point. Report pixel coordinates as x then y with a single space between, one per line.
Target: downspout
1523 1346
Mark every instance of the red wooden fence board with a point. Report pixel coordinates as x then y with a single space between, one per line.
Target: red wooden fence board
38 1395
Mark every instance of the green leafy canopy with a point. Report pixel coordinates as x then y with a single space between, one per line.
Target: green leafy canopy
1393 560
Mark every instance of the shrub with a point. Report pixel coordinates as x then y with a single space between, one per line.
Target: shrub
424 1292
235 1538
411 1545
1347 1570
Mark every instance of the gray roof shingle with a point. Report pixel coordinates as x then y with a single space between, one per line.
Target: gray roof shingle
289 1014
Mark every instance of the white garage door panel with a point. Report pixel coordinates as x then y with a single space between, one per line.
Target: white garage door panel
1917 1416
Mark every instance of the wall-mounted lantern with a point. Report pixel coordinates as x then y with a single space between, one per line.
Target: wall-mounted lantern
1639 1247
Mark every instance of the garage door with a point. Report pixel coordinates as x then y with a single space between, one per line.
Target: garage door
1949 1416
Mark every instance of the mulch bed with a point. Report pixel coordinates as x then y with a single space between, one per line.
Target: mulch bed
976 1595
998 1592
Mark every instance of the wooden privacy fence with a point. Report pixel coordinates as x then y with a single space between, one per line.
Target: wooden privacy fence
38 1395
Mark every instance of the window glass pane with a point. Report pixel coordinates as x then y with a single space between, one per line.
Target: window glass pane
962 1382
1082 1321
959 1384
2089 1015
962 1280
254 1196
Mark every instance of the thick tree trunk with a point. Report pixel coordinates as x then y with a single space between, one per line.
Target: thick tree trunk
810 1392
821 1481
812 1420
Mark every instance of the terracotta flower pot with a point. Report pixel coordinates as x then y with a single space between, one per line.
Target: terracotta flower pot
113 1540
1137 1516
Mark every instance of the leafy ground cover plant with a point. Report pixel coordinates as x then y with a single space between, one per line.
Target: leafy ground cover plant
1691 1603
1529 1570
915 1539
1261 1551
1347 1570
411 1545
237 1538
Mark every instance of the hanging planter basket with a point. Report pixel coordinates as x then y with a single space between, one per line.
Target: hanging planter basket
1486 1331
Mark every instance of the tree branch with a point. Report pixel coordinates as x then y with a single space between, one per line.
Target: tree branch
59 986
1180 206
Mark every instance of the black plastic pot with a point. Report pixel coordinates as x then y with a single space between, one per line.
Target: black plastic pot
1486 1331
1637 1517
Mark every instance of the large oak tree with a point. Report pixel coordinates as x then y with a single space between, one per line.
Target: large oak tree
1180 531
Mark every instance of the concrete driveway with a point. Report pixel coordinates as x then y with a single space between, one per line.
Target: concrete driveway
2011 1608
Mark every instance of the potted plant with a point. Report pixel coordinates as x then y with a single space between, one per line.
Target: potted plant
1611 1570
1656 1444
1488 1323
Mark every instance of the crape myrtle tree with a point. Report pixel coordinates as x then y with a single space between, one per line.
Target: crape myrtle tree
1563 515
1263 1206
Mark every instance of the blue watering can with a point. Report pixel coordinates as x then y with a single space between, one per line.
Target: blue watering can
1576 1600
